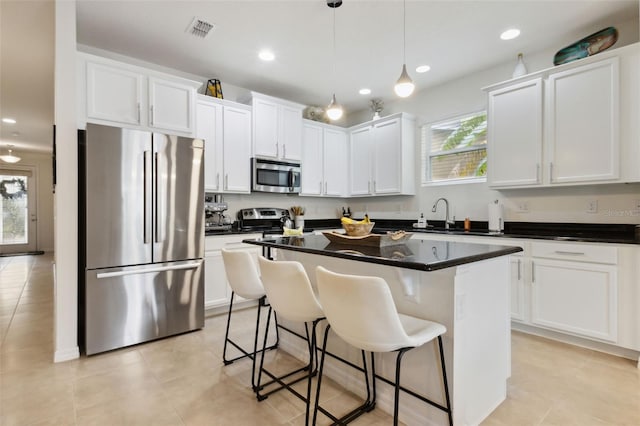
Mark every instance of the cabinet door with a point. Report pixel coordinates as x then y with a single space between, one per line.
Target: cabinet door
209 128
312 161
171 105
518 296
265 128
216 288
360 151
387 157
290 133
583 123
515 135
335 162
114 94
237 150
575 297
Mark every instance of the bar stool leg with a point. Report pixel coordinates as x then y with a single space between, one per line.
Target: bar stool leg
444 378
396 400
226 334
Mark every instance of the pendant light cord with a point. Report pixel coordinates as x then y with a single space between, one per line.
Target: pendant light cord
404 31
334 43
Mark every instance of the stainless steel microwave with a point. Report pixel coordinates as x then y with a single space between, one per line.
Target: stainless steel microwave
275 176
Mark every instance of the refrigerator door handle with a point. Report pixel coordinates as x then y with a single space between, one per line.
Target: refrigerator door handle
191 265
160 203
146 200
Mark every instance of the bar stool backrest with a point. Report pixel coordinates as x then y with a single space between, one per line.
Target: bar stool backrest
289 291
361 311
242 274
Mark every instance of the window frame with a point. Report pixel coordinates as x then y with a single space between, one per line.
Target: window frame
427 155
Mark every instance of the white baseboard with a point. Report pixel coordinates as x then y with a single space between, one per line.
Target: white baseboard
66 354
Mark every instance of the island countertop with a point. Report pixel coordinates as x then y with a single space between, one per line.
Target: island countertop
422 255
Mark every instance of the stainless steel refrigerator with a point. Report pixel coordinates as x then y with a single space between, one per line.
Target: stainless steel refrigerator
141 213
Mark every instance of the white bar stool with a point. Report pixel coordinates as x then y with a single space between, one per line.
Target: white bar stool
244 280
291 297
361 311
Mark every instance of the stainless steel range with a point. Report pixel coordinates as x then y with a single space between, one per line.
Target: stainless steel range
265 219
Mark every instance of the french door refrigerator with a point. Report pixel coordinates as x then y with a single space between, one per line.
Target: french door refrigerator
141 214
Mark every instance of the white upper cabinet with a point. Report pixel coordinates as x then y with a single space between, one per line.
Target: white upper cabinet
209 127
115 93
171 105
382 155
237 149
515 134
574 124
324 160
277 128
583 123
226 130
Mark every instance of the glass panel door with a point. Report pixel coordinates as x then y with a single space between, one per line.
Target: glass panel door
17 211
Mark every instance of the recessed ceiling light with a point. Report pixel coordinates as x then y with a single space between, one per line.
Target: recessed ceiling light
365 91
423 68
9 120
266 55
510 34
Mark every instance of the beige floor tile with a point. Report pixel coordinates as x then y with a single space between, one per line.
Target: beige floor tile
142 408
183 381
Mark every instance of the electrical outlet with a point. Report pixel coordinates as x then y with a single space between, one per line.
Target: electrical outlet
523 206
637 206
592 206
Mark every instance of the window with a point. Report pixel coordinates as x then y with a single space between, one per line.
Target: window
455 150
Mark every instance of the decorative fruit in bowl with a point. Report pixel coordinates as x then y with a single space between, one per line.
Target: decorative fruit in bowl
355 228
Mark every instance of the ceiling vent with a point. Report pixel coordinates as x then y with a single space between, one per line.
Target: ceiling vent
200 27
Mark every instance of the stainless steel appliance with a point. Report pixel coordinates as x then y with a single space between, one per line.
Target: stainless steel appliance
215 218
275 176
265 219
141 236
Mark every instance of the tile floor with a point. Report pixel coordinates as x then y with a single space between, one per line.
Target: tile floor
181 380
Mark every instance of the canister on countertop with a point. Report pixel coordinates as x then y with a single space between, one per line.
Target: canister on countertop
467 224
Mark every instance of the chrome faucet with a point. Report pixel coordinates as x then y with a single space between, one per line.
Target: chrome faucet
447 222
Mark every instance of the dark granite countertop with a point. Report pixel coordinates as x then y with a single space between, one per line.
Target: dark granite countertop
423 255
578 232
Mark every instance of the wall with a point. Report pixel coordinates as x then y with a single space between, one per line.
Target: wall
617 203
66 197
44 197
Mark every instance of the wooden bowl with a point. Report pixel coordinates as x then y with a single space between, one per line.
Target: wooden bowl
358 229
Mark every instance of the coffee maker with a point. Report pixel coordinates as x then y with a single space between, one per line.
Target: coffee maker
214 217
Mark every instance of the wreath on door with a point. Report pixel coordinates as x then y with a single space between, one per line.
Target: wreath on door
13 188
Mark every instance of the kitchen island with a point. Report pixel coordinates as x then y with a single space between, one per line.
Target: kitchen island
462 286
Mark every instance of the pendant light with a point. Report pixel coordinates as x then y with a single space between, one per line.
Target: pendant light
404 86
334 110
9 157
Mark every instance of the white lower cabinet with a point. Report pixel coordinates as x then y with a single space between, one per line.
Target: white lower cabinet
581 290
217 292
518 297
576 297
574 289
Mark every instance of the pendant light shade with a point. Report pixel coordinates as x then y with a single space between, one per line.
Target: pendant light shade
334 110
9 157
404 86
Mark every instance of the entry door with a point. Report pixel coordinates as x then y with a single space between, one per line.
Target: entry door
17 210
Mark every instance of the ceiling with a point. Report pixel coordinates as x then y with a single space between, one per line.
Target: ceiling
453 37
